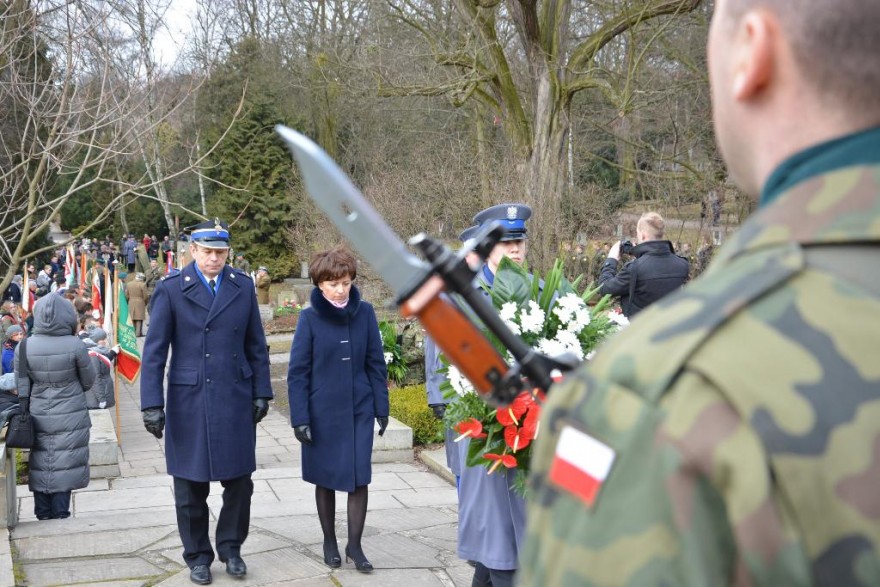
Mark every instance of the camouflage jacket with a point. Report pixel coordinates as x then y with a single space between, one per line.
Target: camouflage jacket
743 414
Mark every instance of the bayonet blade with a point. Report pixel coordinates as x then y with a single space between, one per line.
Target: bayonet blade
343 203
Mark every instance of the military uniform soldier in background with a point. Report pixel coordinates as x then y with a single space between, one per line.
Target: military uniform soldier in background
242 263
731 435
263 282
151 278
218 390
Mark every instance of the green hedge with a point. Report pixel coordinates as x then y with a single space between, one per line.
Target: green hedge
410 405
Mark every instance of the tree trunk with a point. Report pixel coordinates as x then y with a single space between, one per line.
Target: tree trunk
546 173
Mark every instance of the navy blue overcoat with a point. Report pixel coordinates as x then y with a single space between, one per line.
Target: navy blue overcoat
219 365
337 384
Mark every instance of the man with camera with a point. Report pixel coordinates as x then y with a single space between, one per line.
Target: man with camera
654 272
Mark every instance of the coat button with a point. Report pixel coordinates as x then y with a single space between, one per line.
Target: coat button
207 355
208 380
207 330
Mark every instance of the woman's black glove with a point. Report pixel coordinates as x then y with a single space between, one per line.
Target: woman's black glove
439 410
261 408
383 424
154 421
303 433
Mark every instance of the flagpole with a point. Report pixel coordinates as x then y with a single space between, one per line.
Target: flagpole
115 367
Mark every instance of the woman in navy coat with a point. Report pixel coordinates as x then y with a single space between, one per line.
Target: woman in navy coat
337 385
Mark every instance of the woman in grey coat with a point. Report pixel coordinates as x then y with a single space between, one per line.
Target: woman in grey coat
59 372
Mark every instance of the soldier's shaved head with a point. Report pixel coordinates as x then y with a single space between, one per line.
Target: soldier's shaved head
786 75
835 43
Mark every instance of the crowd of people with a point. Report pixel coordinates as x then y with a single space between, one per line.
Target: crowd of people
728 435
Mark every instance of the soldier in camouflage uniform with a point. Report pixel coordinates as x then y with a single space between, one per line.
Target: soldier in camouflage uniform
731 435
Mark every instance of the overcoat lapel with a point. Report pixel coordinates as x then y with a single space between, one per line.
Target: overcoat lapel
193 288
228 292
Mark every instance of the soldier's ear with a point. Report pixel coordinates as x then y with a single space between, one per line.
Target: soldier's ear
756 49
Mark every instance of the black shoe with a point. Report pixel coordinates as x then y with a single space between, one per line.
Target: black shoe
360 562
200 575
331 556
236 567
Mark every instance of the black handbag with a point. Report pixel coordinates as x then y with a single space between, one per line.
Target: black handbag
20 433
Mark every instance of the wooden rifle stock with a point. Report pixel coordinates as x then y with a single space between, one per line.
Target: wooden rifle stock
459 338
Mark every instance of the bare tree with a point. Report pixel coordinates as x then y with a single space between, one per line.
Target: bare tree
525 60
73 121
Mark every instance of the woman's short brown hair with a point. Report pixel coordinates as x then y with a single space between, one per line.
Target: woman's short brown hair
333 264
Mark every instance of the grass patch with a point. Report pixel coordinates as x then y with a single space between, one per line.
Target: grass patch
410 405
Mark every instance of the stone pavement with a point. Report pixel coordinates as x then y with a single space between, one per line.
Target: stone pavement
123 532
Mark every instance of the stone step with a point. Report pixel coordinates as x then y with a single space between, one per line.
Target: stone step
436 461
103 449
396 445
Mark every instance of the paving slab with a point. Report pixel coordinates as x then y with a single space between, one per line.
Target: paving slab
411 519
123 499
113 542
88 571
265 568
443 537
134 520
389 577
395 551
172 549
428 497
423 479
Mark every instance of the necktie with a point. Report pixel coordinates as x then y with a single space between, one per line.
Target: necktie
213 287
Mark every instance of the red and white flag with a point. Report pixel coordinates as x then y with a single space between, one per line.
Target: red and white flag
69 266
97 303
581 464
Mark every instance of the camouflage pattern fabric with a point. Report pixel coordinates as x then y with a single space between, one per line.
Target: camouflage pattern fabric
744 413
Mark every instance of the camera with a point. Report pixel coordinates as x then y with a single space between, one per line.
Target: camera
626 247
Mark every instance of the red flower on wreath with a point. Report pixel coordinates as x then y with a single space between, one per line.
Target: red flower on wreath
472 428
508 461
530 423
510 415
516 438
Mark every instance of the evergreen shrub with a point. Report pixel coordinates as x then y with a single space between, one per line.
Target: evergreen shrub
410 405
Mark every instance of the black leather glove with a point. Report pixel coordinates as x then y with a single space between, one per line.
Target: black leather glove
383 424
154 421
24 404
439 410
303 433
261 408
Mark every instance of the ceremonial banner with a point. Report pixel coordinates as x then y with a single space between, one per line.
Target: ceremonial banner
128 362
82 271
108 303
169 262
97 303
69 266
25 289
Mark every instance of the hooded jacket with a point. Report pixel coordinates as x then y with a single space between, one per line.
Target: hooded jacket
60 370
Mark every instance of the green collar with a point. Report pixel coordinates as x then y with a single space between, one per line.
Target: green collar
861 148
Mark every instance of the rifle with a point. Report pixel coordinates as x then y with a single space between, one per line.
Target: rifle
418 284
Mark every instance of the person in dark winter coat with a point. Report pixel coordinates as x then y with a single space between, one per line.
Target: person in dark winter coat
655 272
14 334
337 384
102 394
59 371
218 390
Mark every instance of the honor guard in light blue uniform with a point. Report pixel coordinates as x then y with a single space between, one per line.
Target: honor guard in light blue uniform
433 381
217 391
491 515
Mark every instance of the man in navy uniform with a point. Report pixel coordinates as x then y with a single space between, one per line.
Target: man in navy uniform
491 515
434 380
218 390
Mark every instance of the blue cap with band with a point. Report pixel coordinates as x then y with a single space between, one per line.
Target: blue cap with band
212 234
512 218
468 233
